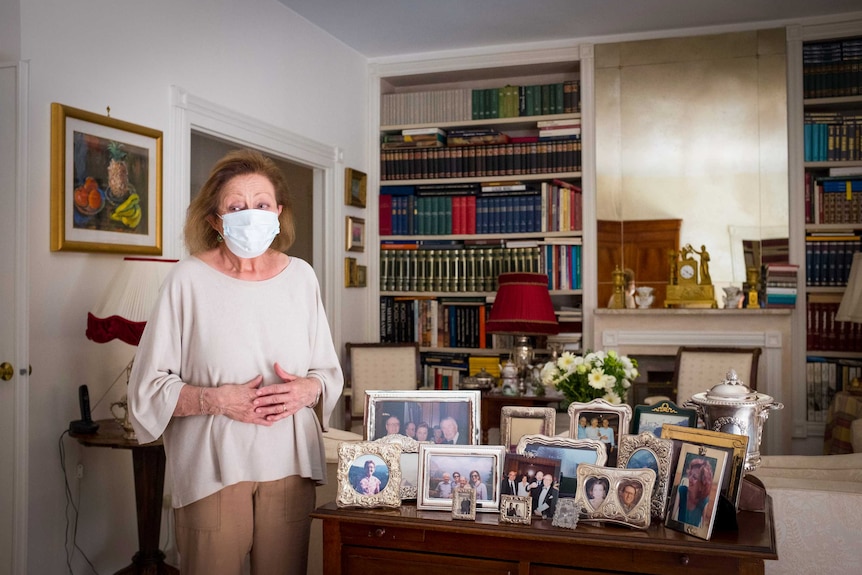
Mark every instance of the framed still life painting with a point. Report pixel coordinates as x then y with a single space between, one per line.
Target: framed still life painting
106 184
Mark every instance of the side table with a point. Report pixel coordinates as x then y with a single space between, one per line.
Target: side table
149 465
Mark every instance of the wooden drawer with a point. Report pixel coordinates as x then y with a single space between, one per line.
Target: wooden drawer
388 562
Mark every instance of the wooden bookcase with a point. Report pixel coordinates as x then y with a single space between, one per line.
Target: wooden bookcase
824 126
440 238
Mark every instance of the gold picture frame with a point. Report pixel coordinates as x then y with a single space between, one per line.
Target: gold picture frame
354 234
106 184
382 488
361 276
355 185
349 272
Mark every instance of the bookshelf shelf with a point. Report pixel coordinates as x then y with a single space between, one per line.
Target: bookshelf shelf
440 221
825 158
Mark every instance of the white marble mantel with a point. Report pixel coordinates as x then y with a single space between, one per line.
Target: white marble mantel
662 331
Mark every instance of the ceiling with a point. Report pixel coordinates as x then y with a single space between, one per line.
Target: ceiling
380 28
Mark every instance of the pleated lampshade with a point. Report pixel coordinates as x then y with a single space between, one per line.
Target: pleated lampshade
126 305
523 306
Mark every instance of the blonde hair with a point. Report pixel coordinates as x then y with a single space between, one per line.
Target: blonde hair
200 236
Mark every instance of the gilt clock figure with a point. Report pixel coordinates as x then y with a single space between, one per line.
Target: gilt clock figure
690 282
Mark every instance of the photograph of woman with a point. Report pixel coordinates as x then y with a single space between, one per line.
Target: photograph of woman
693 493
237 373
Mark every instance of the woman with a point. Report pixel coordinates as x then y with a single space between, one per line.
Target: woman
478 486
693 493
234 358
596 492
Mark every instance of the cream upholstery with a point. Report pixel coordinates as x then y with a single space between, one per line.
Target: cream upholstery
816 501
325 494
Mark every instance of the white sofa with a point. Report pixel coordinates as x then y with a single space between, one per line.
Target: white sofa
817 506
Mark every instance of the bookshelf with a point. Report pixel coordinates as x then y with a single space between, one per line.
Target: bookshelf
825 129
484 167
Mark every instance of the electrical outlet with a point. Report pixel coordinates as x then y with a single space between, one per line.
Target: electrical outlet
80 471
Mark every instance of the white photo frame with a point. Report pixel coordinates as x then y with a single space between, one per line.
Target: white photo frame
570 452
424 406
359 488
435 460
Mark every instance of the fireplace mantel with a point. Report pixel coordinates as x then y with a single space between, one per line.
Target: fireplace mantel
663 331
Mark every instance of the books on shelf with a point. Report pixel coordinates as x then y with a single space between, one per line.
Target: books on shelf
828 258
780 280
824 377
832 136
830 68
825 333
833 200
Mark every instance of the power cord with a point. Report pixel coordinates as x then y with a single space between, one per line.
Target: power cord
70 503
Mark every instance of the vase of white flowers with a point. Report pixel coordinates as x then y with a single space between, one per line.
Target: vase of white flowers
594 375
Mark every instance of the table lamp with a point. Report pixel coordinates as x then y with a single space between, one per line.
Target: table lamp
850 308
125 306
522 307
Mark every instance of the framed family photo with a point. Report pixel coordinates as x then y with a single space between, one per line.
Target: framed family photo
478 467
570 453
437 416
646 451
464 503
600 420
516 509
106 184
695 491
369 474
355 185
650 418
518 421
615 495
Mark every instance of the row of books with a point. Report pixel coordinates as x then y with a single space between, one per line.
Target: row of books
471 268
465 104
832 136
516 158
828 258
780 285
832 68
476 269
833 200
824 377
473 209
435 322
825 333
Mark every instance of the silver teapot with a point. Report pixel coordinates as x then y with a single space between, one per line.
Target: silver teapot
731 407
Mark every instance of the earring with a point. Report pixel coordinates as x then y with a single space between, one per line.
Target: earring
219 239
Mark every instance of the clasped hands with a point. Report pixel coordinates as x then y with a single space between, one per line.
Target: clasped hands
250 403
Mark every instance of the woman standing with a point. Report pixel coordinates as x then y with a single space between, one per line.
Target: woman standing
233 362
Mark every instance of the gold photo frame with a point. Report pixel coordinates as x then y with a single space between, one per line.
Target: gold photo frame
369 474
350 272
106 184
355 186
354 234
361 276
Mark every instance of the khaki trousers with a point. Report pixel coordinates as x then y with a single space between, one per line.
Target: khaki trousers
266 522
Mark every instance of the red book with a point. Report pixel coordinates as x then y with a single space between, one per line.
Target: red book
385 214
470 215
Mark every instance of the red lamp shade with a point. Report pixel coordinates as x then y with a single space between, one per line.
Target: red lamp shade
126 304
523 306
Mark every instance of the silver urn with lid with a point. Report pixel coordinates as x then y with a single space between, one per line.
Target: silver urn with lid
731 407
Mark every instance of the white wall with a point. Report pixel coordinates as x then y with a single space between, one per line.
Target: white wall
255 57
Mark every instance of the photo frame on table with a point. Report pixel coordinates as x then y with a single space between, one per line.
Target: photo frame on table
567 514
480 465
436 408
736 446
464 503
530 472
615 495
516 509
646 451
603 420
106 184
355 187
354 234
409 463
517 421
698 475
369 474
570 452
651 417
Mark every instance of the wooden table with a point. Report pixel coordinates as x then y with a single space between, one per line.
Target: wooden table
149 464
493 403
405 540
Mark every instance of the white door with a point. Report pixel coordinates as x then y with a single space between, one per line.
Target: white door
13 322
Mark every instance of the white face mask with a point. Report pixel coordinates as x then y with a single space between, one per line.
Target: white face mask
248 233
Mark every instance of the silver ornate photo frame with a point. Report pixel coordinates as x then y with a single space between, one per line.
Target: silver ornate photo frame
436 461
517 421
596 413
425 406
570 452
646 451
409 463
369 474
516 509
567 513
616 506
464 504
